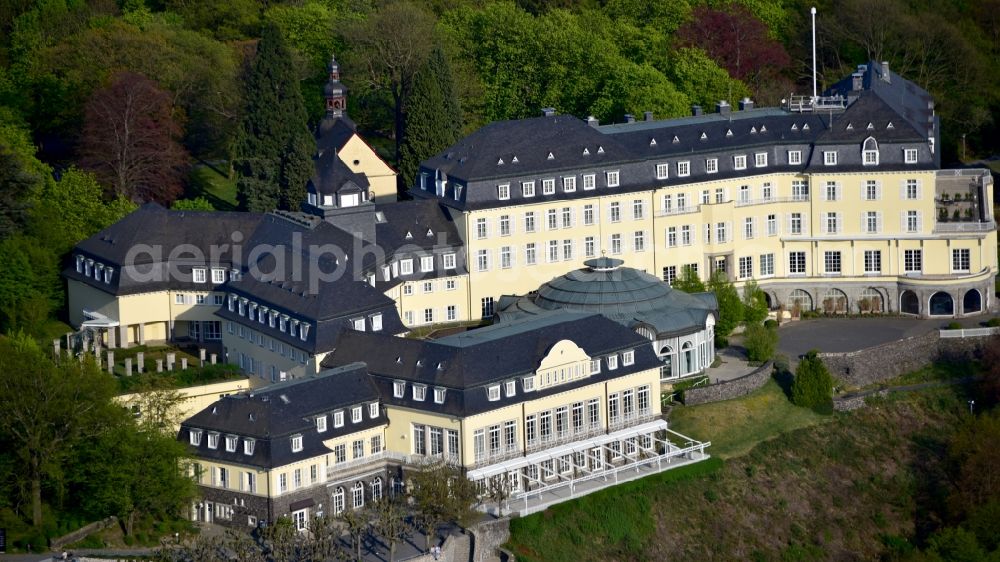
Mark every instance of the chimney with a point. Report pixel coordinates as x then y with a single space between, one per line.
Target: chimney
746 104
647 115
857 81
696 110
592 121
722 107
629 118
885 71
548 111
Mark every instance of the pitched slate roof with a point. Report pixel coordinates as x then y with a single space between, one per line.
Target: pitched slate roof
331 175
273 414
416 218
333 133
150 235
523 146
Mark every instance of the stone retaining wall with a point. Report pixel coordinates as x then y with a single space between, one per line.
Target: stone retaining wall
848 403
883 362
82 532
456 548
487 538
729 389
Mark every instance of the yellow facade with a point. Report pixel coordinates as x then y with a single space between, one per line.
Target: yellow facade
432 301
264 356
362 159
194 398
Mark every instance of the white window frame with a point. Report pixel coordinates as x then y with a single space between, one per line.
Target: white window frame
740 162
794 157
198 275
830 158
910 156
296 443
613 178
684 168
711 165
662 171
503 191
398 389
760 160
493 393
527 189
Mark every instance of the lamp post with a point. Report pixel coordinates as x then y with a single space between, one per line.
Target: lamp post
972 404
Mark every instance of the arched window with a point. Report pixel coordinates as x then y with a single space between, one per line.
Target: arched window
972 301
871 301
941 304
358 495
801 298
377 489
869 152
688 354
397 486
909 303
834 301
338 501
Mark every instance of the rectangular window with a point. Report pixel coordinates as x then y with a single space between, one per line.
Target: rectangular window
493 393
376 444
487 307
794 157
671 236
426 264
871 192
419 439
871 222
760 160
356 414
720 195
830 158
552 219
504 225
706 197
744 194
428 315
481 229
796 262
910 155
711 165
800 190
529 221
766 265
795 223
748 228
686 235
772 225
912 220
567 247
662 171
615 212
831 262
616 244
321 424
567 217
638 209
721 233
483 260
960 260
451 313
746 267
503 192
913 261
766 191
670 274
912 187
589 249
873 261
198 274
740 162
528 189
684 169
530 254
398 389
340 454
553 250
419 392
218 275
588 214
832 191
548 186
505 257
569 184
613 178
358 449
373 410
832 223
639 241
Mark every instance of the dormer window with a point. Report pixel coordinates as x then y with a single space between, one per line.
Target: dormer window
98 270
628 358
198 274
493 393
338 418
740 162
312 198
503 192
213 440
398 389
595 366
359 324
194 437
439 395
304 331
272 321
612 362
612 178
662 171
406 267
510 388
794 157
528 384
373 410
292 327
88 267
569 184
711 165
589 182
218 275
232 303
296 443
830 158
760 160
420 392
869 152
356 414
427 264
108 274
327 201
248 445
376 322
909 156
684 169
79 264
231 441
282 322
321 423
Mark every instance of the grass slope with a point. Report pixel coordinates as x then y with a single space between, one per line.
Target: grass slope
209 180
838 490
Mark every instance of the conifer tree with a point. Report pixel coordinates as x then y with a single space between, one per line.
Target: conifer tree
272 152
433 116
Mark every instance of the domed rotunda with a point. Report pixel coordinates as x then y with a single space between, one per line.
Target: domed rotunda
679 325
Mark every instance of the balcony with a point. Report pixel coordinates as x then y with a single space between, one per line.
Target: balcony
678 211
628 420
750 202
978 226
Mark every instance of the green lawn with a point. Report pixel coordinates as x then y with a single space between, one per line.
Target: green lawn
736 426
209 181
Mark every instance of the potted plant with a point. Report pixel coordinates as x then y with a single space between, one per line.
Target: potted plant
968 214
942 214
956 216
864 305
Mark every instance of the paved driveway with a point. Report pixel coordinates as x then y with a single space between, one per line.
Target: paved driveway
852 334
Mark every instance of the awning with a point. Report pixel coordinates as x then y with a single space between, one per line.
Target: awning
567 449
97 320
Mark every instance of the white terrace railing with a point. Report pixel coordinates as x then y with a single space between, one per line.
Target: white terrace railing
968 333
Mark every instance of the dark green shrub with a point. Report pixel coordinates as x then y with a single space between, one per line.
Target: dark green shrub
953 326
760 342
721 342
993 322
771 324
813 385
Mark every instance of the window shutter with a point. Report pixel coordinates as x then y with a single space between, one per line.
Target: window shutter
902 220
920 192
878 190
788 221
729 232
864 222
920 217
878 221
902 190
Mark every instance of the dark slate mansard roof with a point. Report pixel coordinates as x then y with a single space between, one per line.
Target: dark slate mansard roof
272 415
466 364
484 159
164 231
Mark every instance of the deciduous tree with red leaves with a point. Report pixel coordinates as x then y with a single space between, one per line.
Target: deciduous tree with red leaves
737 41
130 140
